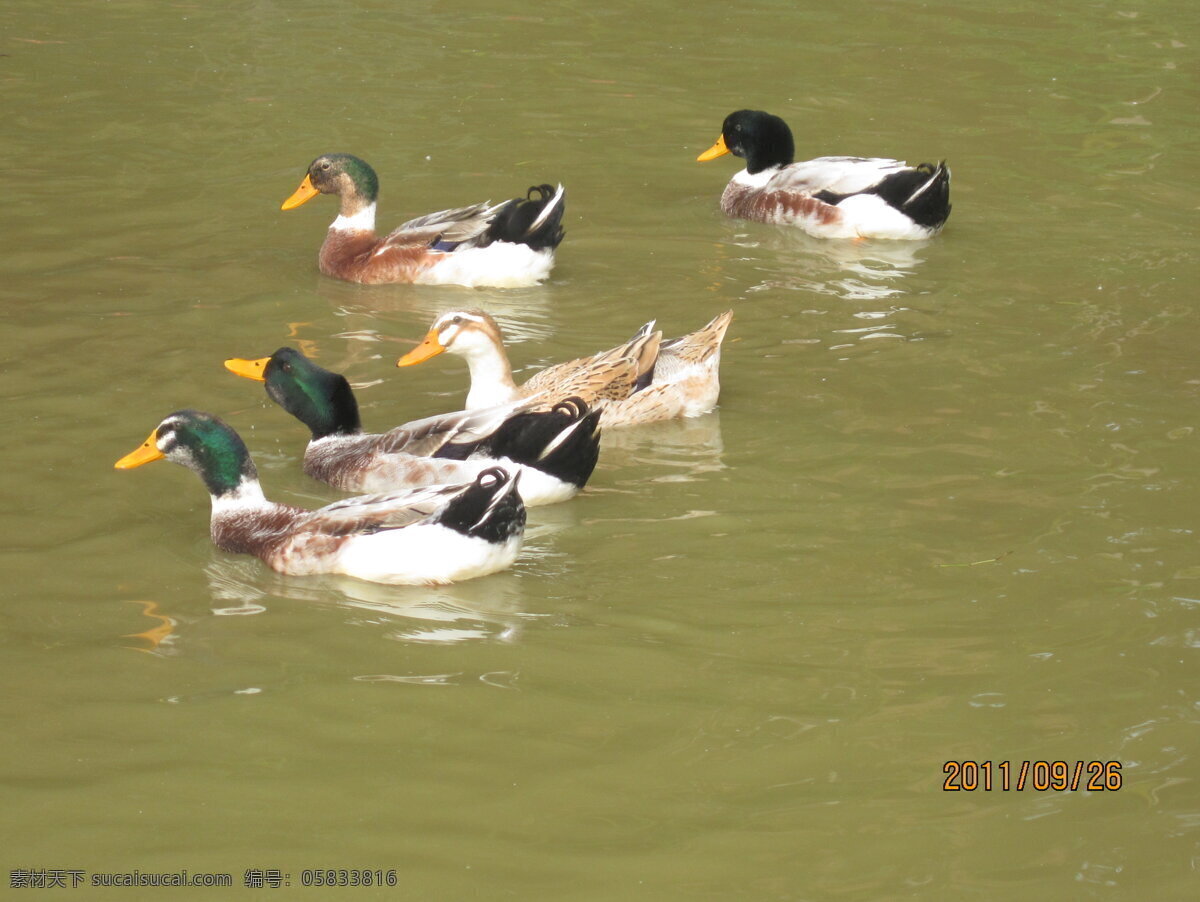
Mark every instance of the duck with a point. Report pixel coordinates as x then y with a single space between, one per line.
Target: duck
828 197
645 380
427 536
554 450
509 244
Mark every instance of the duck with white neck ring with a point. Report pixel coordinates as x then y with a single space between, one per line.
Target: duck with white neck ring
509 244
430 536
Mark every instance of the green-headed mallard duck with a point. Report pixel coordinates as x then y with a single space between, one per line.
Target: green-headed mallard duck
555 450
429 536
504 245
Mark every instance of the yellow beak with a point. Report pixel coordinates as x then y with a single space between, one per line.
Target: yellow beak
146 452
250 369
717 150
430 347
301 195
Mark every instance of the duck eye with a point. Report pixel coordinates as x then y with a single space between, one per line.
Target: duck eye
457 320
325 167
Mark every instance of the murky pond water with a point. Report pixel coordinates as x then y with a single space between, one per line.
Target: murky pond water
946 511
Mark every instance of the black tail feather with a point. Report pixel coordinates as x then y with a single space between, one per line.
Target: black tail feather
574 458
534 439
525 438
490 509
921 193
517 222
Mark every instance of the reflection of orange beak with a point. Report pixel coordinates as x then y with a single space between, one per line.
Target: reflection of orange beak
250 369
717 150
155 635
301 195
144 454
430 347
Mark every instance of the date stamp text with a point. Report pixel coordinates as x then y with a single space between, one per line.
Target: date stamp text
1041 776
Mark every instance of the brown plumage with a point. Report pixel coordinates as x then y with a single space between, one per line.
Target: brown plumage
506 244
744 202
431 535
642 381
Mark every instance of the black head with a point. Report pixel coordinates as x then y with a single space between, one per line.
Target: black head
761 139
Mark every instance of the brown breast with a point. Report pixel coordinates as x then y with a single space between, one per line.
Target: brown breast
367 258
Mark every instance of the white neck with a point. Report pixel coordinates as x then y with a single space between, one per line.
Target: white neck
758 180
248 494
491 377
362 221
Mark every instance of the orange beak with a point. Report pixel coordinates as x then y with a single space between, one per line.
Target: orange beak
717 150
249 369
301 195
429 347
146 452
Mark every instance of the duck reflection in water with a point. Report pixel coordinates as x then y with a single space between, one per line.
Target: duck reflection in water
852 270
682 450
487 610
528 314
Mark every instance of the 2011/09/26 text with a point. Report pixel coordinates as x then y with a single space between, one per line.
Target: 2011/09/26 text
968 776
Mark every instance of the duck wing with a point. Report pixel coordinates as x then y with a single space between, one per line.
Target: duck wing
447 226
371 513
428 436
614 374
838 176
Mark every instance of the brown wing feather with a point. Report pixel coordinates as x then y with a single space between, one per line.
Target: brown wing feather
612 379
693 349
611 374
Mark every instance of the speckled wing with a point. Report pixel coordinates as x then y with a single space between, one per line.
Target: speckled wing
613 375
686 379
595 380
652 404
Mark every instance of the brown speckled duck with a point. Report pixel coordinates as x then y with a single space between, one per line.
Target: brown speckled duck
642 381
507 244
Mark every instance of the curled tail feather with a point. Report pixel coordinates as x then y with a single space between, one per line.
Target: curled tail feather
535 220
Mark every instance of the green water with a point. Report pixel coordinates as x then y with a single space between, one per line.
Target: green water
947 509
